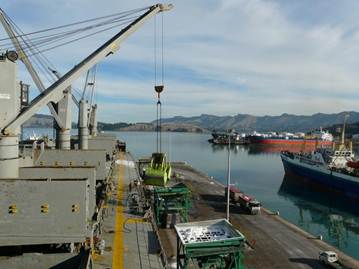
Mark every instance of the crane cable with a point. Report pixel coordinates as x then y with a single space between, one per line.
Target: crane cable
45 41
38 61
119 14
159 88
32 47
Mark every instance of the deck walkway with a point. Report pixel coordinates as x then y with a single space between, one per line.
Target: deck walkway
130 242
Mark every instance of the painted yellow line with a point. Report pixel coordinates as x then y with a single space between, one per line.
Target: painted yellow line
135 220
118 248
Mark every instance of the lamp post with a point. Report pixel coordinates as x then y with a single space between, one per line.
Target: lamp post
228 171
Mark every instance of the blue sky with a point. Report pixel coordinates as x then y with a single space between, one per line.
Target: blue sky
226 57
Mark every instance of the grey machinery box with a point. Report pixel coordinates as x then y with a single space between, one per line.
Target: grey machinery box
105 142
44 211
58 157
68 173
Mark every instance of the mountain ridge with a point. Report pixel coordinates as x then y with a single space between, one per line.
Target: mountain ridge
250 123
239 122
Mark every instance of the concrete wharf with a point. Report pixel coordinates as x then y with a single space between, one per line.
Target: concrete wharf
273 242
131 241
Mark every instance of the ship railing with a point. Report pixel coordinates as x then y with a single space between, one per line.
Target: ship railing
311 162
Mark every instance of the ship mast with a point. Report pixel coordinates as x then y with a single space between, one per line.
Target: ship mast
342 135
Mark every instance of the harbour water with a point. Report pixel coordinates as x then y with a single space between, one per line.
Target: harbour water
259 172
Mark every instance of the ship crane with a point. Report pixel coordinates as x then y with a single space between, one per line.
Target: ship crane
87 122
5 21
87 118
9 148
62 110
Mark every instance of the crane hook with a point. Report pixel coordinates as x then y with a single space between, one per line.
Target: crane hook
159 89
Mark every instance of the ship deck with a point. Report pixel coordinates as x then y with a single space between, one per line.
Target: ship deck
130 240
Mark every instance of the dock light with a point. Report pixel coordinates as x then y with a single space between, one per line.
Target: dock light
230 132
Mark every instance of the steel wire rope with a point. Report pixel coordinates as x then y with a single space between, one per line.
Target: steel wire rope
88 84
38 61
162 47
69 34
133 11
44 63
77 39
77 92
162 75
39 65
93 84
155 78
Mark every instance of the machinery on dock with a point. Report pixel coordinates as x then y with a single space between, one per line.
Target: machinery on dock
159 171
170 202
209 244
247 202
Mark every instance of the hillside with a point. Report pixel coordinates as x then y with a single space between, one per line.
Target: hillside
249 123
39 121
207 123
150 127
350 130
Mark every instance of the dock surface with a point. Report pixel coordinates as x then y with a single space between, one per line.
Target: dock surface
132 243
273 242
130 240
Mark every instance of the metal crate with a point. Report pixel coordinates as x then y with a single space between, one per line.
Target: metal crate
209 244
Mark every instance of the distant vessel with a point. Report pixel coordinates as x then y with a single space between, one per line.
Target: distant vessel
221 138
336 169
318 138
34 137
276 149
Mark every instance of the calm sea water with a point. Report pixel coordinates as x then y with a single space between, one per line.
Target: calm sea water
259 172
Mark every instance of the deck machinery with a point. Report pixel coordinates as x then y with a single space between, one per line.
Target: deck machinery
209 244
159 171
50 199
171 201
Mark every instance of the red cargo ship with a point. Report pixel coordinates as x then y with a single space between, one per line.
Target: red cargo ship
318 139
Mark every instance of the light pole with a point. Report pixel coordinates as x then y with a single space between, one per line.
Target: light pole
229 171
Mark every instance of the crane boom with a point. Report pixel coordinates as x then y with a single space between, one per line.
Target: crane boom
56 91
23 57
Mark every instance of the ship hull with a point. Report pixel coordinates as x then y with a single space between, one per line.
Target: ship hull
323 178
278 141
